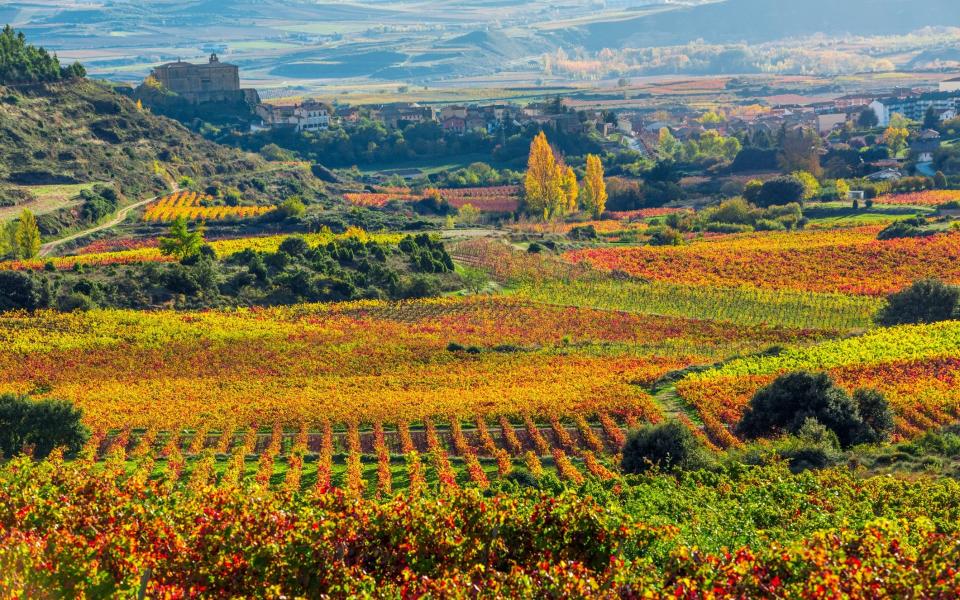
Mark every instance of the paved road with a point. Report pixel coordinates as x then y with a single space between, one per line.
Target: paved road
926 168
119 217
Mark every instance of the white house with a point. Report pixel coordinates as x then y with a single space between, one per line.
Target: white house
309 116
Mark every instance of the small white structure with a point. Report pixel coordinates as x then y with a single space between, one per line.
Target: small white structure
885 175
950 85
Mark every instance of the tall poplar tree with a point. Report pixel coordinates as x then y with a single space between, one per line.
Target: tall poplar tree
28 235
594 197
570 189
544 182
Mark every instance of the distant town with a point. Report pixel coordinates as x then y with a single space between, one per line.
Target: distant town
216 83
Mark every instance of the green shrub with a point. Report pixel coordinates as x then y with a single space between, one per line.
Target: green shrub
75 301
926 301
666 236
294 246
904 229
522 478
39 425
668 446
770 225
781 190
785 405
876 415
814 447
729 228
585 232
23 291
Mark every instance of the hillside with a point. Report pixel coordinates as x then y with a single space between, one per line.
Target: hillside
83 131
757 21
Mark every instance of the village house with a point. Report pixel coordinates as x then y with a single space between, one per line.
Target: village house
308 116
504 113
926 145
404 114
348 114
448 112
852 101
454 124
480 119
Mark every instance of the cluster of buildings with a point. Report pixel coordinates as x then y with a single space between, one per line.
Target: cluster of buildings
219 82
915 106
312 115
910 103
216 81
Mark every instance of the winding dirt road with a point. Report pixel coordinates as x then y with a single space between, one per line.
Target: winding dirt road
119 217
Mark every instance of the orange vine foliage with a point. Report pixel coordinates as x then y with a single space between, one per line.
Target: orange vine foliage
196 207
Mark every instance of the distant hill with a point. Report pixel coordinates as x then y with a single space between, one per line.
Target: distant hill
757 21
282 41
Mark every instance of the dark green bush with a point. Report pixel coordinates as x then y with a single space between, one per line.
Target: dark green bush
23 291
39 425
295 246
781 190
522 478
926 301
666 236
791 400
667 446
876 415
585 232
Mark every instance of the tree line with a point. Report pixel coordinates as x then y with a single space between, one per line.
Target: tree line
21 62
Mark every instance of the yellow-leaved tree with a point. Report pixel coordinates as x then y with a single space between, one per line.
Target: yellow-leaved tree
8 239
570 189
27 235
544 184
594 196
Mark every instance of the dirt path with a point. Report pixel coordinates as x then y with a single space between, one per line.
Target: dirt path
119 217
476 232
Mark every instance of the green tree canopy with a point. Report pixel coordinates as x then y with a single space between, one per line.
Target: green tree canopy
182 243
925 301
21 62
785 405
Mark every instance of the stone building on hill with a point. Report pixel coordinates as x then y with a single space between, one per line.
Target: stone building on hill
199 84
